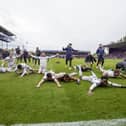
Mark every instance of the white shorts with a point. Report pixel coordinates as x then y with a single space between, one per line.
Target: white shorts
42 69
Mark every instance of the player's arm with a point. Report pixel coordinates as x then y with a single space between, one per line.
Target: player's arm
57 82
91 89
74 50
114 84
101 69
23 73
64 49
122 75
36 57
93 74
18 56
49 57
40 82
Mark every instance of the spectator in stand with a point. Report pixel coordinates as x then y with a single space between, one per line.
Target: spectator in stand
100 54
69 51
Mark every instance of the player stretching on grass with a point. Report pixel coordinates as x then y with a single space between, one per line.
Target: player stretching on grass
43 61
99 82
23 69
83 68
56 77
112 73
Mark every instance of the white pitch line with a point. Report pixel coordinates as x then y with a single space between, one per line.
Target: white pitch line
113 122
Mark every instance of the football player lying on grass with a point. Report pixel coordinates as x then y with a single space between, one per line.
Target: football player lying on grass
56 77
43 61
99 82
23 69
83 68
112 73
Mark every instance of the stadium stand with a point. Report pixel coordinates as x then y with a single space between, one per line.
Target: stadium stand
77 54
117 50
5 37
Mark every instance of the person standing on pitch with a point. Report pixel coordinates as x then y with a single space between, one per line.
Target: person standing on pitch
100 54
43 61
69 51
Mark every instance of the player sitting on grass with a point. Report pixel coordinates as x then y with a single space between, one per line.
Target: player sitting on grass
23 69
43 61
11 62
99 82
56 77
3 69
112 73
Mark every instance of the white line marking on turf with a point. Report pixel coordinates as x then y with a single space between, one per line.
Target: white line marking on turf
113 122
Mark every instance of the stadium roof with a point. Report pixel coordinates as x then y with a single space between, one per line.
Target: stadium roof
5 35
116 45
5 31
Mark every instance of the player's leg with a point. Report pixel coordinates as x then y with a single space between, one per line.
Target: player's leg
70 62
57 82
75 79
66 61
80 70
38 61
72 74
102 62
40 83
42 69
98 62
116 85
87 78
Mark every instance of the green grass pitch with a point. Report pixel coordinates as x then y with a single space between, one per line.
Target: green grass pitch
22 102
